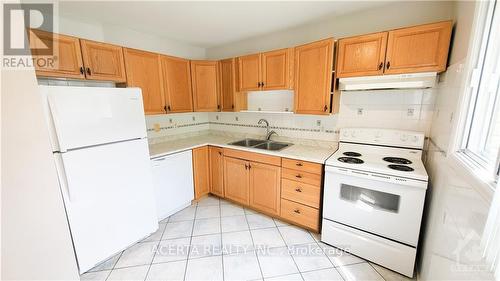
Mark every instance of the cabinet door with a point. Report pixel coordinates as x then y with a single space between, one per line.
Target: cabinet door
176 73
236 182
201 171
216 171
204 80
265 185
249 72
313 77
143 71
361 55
103 61
275 70
227 84
419 48
66 60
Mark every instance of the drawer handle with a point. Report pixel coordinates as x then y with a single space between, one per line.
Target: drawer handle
298 189
297 211
298 164
298 176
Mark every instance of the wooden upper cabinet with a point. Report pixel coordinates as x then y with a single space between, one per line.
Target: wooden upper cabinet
143 71
313 77
103 61
204 83
361 55
67 59
418 49
201 171
176 74
275 69
236 181
249 72
216 171
227 84
265 187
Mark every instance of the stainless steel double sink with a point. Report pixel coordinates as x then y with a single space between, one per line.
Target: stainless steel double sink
261 144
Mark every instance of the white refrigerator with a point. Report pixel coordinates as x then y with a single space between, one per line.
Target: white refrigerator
101 153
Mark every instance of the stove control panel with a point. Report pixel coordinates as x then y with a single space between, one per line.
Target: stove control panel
386 137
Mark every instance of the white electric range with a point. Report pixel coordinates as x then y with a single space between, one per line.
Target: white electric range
374 195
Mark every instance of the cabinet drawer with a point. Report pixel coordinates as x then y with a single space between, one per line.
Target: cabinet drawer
300 176
303 166
300 214
303 193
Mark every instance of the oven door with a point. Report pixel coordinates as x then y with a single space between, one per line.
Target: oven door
370 203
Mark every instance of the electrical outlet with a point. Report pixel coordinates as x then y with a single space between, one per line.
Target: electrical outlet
216 117
194 118
156 127
236 118
360 111
410 112
170 121
318 122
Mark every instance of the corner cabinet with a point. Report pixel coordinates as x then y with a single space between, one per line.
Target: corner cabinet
143 71
231 99
176 74
201 172
216 171
313 77
205 86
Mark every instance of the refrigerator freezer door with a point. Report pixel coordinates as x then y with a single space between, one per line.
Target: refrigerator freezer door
87 116
173 181
109 198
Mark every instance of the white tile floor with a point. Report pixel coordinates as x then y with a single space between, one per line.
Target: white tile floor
217 240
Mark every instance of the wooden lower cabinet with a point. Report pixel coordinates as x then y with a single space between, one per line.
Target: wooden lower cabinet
236 181
216 171
201 172
265 183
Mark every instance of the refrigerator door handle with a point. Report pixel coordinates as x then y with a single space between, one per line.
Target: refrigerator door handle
55 121
63 179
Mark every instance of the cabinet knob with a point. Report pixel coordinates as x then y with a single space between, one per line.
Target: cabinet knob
88 71
388 64
298 164
297 211
262 84
298 189
165 108
82 71
220 153
325 108
380 66
168 107
299 176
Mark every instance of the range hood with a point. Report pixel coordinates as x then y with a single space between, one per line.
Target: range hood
395 81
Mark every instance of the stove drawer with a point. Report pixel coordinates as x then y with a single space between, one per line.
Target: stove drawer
300 176
303 193
300 214
393 255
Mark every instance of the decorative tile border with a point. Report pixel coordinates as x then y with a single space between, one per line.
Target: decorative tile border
247 126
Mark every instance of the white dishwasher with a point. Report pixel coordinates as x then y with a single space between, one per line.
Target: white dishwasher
173 182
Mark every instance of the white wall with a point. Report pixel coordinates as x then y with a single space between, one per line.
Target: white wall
457 207
393 15
109 33
36 242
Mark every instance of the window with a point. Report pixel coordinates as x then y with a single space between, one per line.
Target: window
481 140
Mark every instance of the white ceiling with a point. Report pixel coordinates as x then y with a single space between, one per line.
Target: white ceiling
208 24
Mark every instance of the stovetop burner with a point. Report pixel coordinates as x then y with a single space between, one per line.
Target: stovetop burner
352 154
397 160
401 168
351 160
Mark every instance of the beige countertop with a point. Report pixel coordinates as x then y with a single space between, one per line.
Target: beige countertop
299 151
